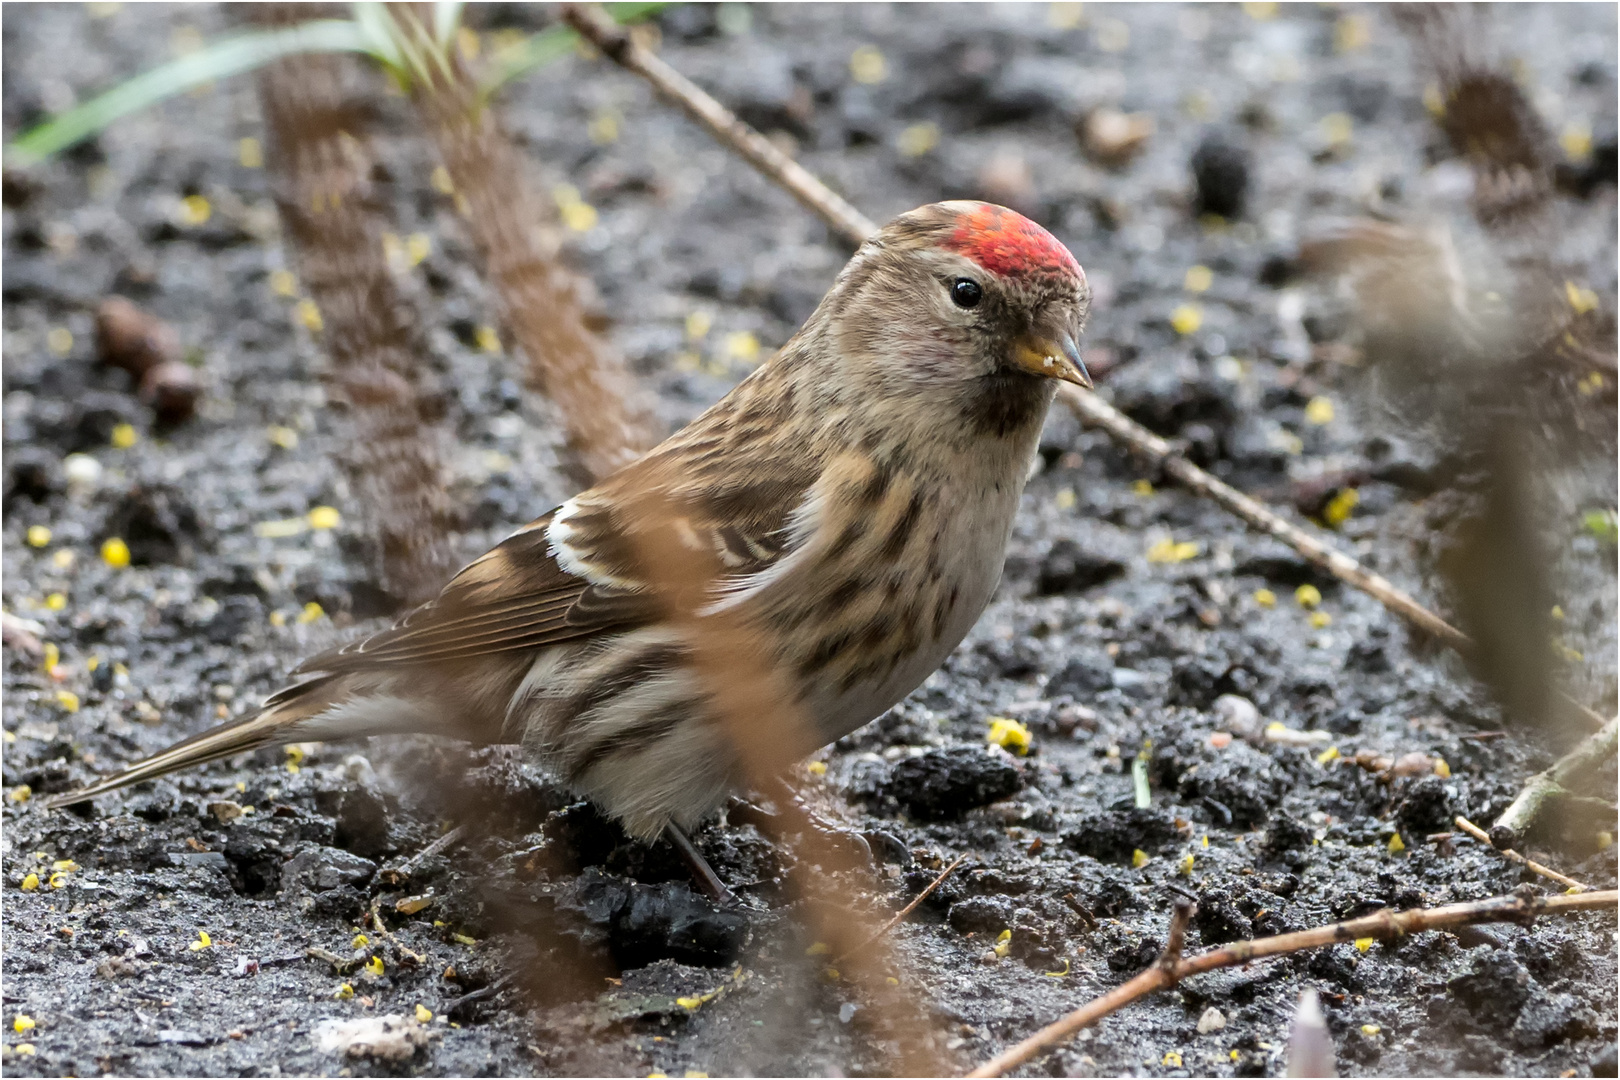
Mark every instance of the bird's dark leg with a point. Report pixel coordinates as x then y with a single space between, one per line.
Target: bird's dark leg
702 873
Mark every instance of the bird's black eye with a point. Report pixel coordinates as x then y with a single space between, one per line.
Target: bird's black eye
965 293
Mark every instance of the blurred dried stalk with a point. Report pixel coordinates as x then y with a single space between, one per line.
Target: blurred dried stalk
745 687
321 174
545 305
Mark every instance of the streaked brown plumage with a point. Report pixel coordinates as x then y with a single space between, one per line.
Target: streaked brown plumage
857 491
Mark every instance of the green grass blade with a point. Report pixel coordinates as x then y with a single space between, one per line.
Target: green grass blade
216 60
553 44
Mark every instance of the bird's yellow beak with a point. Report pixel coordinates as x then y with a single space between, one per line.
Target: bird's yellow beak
1058 359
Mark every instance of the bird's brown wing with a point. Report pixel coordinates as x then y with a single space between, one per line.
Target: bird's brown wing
544 585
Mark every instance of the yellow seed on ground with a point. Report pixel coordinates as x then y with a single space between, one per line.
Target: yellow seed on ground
488 339
310 315
115 553
1370 1029
249 153
689 1003
1206 840
324 517
29 883
1172 1060
918 139
1003 944
1169 551
59 340
1142 487
1396 844
1187 863
1008 734
1308 596
20 794
441 181
25 1049
1059 974
62 559
1186 319
1199 279
1265 597
58 880
579 216
125 436
344 992
203 941
867 66
64 866
1441 769
23 1023
816 768
282 283
1363 944
360 941
464 939
1340 506
38 536
820 948
56 601
53 656
1434 101
697 325
278 618
374 966
312 611
1319 411
195 210
68 700
423 1014
1065 499
1327 755
295 754
1139 858
284 437
1320 620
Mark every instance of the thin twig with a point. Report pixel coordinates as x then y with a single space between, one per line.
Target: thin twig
1513 856
1521 812
616 43
619 46
909 908
1520 908
448 839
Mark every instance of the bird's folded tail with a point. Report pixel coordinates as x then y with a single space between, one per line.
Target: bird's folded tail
318 709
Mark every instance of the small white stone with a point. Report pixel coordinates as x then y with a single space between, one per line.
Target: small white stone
1212 1020
81 470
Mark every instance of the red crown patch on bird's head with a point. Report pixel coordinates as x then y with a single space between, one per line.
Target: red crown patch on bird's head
1009 244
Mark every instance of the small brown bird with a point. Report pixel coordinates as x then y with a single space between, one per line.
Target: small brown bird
857 492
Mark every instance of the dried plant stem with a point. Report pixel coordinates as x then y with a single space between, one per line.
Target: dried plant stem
448 839
900 915
321 172
1513 856
615 41
1521 812
619 46
1171 968
542 302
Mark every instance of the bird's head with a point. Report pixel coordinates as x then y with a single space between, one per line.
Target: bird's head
965 297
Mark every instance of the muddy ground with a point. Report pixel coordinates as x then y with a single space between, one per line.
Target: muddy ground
1096 648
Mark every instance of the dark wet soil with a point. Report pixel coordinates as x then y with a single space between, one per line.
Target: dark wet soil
1102 650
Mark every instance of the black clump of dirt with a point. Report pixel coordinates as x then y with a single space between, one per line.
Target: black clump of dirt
641 924
1115 835
1068 568
160 525
949 782
1088 671
1221 170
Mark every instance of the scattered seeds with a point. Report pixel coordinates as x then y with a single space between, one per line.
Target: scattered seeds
1370 1029
1396 844
20 794
1186 319
324 517
1265 598
310 315
1169 551
56 601
1363 944
38 536
1319 411
1139 858
68 700
423 1014
488 339
125 436
867 66
1308 596
30 882
1338 509
817 768
918 139
194 210
374 967
311 612
1320 619
344 992
203 942
1172 1060
1003 944
1199 279
283 283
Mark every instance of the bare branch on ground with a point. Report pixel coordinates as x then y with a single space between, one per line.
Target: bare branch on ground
1513 856
1521 813
1521 907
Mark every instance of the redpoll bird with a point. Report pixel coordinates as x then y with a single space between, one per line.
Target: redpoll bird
856 491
